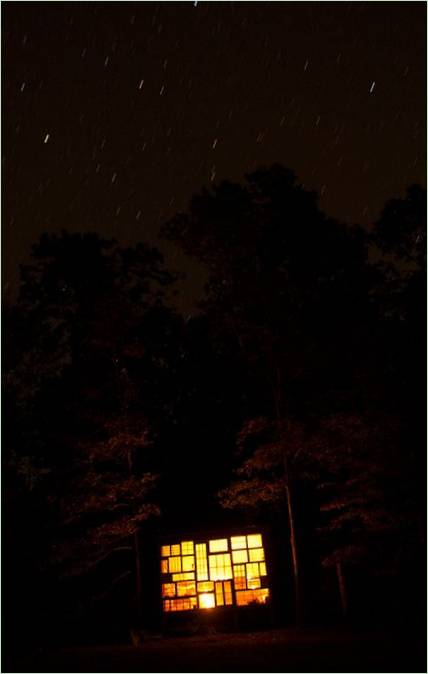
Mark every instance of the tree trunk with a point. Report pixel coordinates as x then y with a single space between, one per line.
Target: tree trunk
138 592
294 554
342 589
290 508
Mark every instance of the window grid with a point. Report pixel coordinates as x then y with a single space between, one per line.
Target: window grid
192 578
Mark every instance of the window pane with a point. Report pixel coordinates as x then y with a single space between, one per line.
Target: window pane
187 548
238 542
219 545
262 567
180 604
254 541
227 586
240 556
252 596
252 570
183 576
186 587
220 567
174 564
206 586
188 563
257 555
206 600
165 550
219 594
168 590
175 549
253 583
239 571
201 561
164 566
240 583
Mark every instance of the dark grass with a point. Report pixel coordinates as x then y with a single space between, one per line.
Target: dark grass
268 651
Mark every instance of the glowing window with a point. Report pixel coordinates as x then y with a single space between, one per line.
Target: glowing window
188 563
192 578
256 555
183 576
252 597
206 586
174 564
180 604
187 548
186 588
168 590
252 570
228 599
219 594
240 583
240 556
219 545
206 600
239 571
220 567
201 561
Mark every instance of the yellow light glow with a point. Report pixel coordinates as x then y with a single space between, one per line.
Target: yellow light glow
188 563
252 597
186 588
183 576
174 564
168 590
240 556
187 548
206 586
201 561
192 578
219 545
206 600
256 555
220 567
252 570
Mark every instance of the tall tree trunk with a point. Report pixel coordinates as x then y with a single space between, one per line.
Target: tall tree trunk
290 507
138 592
293 546
342 589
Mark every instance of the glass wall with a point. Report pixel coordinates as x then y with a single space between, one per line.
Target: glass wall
218 572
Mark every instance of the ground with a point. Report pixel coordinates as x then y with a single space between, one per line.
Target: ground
269 651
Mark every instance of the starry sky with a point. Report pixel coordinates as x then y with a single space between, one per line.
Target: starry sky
116 113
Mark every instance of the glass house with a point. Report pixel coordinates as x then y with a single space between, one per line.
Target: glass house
215 572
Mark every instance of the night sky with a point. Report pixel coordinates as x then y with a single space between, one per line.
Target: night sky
115 114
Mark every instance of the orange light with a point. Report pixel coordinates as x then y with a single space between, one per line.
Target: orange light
206 600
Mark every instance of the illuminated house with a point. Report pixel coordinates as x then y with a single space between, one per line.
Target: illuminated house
203 574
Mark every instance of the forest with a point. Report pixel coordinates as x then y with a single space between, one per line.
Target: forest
293 393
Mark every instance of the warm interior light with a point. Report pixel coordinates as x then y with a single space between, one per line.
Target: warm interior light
206 600
218 572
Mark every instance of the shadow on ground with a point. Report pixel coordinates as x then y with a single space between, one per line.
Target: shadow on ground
269 651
